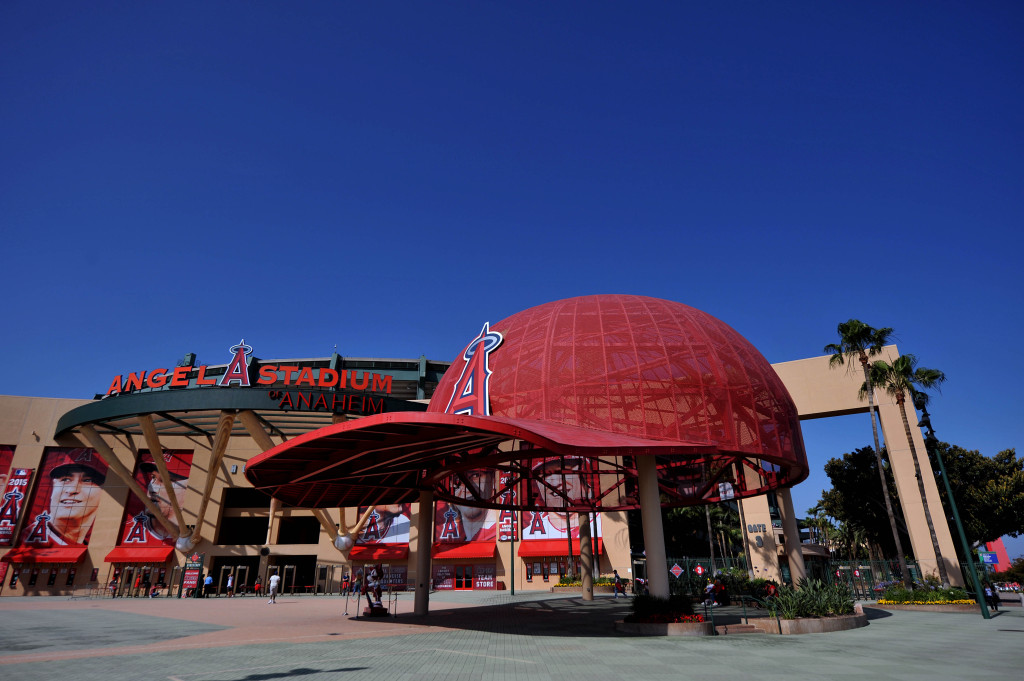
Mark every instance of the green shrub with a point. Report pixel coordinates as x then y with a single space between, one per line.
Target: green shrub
898 593
813 598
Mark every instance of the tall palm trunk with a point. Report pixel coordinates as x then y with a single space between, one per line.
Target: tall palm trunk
907 581
943 577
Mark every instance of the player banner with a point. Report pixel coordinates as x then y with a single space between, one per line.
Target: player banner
388 524
13 502
559 482
67 497
455 523
140 527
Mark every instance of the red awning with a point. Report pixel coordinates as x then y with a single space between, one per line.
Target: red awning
473 549
375 552
139 554
53 554
552 547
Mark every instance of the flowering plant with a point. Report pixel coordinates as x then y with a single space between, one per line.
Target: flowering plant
897 595
663 610
667 618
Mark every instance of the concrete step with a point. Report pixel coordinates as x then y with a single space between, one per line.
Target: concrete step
728 629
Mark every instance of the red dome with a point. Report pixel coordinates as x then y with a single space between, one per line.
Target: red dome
588 385
638 366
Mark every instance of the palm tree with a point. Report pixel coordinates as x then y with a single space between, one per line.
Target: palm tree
819 521
859 341
898 379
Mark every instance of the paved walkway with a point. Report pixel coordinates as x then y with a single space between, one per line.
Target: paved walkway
483 635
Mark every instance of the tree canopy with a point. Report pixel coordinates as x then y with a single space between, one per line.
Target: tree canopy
855 498
989 493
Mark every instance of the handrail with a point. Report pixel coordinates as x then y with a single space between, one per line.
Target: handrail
764 604
709 615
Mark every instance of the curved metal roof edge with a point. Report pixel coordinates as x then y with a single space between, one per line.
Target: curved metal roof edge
194 399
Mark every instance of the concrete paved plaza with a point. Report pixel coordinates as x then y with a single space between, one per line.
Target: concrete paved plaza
473 635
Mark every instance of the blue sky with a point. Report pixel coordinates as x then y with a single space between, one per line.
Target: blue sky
385 176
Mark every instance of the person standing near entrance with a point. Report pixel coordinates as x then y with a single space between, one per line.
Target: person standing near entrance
275 581
231 585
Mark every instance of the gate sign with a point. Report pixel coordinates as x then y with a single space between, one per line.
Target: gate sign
676 570
988 557
699 570
193 569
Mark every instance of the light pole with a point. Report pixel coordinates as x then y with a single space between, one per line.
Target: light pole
931 446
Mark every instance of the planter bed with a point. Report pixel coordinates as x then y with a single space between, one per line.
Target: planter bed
810 625
930 607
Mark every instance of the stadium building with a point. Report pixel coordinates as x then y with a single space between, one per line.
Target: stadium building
254 465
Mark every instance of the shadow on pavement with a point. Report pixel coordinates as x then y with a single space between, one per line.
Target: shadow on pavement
544 617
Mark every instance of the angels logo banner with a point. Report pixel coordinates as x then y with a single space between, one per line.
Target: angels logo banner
140 527
15 491
67 496
552 525
388 524
508 519
456 523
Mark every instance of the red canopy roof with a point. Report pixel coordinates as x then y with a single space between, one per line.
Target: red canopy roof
532 548
54 554
377 552
139 554
472 549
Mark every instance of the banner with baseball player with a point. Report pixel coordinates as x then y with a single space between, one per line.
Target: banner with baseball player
387 524
558 482
455 523
140 528
67 496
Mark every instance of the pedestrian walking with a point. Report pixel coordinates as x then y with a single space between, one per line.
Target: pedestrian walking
275 581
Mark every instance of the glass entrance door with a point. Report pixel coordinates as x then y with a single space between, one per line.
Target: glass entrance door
463 577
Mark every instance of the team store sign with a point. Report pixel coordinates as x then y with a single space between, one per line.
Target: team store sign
239 373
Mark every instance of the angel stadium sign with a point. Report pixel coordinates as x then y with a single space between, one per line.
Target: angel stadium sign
243 373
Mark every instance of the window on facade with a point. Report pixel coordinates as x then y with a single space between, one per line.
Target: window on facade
301 530
242 531
245 497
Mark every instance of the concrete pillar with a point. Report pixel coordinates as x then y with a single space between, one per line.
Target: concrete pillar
764 554
424 543
902 461
586 557
791 534
654 533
